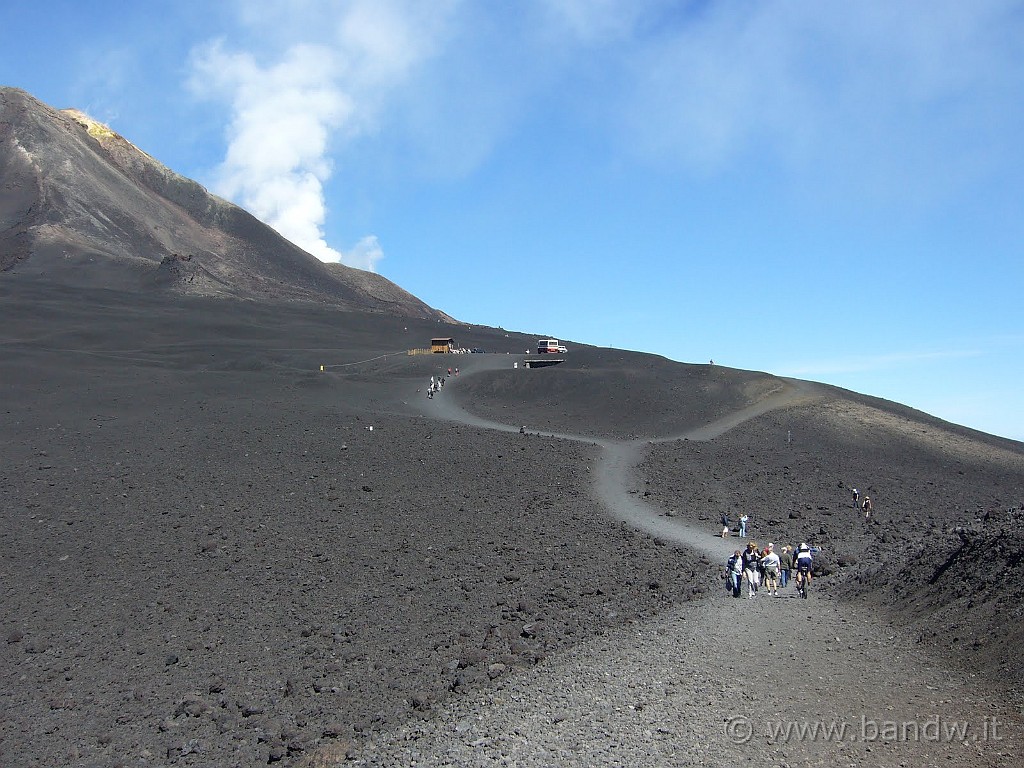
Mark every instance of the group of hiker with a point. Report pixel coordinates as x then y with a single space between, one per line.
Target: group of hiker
727 526
773 569
865 505
437 382
756 567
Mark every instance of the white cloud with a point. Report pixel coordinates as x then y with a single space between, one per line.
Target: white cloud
337 64
282 116
365 254
894 98
894 101
599 20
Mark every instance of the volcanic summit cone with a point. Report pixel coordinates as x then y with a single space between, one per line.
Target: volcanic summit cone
82 206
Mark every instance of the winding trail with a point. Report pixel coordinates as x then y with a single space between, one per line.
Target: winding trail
619 459
715 681
614 472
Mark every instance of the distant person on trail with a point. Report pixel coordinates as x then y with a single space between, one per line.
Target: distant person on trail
785 565
803 565
743 525
751 558
770 566
734 573
868 507
725 526
449 371
856 497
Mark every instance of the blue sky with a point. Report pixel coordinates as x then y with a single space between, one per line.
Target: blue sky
829 190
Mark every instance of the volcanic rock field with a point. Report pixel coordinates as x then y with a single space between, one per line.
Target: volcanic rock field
217 554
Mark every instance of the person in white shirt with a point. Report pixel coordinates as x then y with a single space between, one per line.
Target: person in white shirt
770 566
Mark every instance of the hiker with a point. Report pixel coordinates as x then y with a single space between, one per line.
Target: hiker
743 525
734 573
725 525
751 558
856 497
770 566
785 565
868 507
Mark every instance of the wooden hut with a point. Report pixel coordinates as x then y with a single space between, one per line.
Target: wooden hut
442 346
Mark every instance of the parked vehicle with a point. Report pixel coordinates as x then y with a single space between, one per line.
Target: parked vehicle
550 346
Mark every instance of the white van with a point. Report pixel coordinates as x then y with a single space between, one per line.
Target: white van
550 346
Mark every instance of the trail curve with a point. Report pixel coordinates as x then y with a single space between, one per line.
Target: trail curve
613 474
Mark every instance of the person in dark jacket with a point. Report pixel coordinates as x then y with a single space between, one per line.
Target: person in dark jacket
734 573
785 565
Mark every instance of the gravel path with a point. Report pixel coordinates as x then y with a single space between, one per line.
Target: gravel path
721 681
614 484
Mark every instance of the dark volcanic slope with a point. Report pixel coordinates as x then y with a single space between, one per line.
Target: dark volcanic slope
210 560
614 393
943 544
82 206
